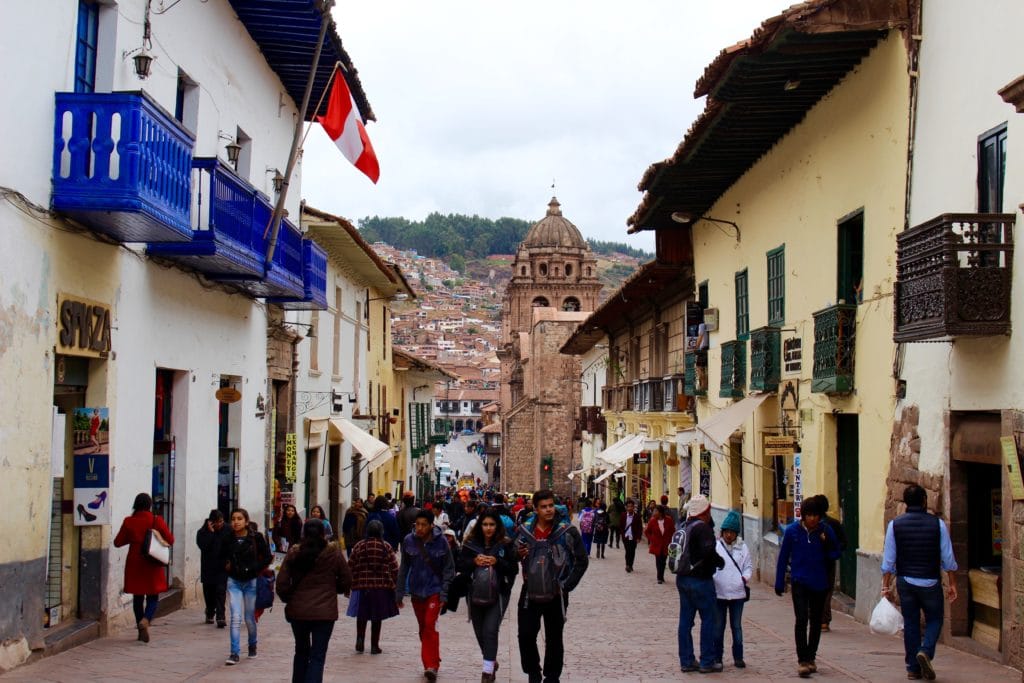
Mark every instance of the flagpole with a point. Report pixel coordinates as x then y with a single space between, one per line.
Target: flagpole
338 66
275 221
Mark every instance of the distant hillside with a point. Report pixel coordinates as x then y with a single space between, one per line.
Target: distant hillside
458 238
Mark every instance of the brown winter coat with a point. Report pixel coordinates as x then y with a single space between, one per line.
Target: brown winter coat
142 576
314 596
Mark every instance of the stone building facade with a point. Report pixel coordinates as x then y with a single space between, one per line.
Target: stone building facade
554 286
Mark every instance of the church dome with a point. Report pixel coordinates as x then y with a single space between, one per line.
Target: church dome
554 230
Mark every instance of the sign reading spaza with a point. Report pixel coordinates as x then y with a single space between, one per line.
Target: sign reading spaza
83 327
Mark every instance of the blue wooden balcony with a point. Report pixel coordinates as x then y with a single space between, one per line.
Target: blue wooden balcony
314 280
121 166
283 279
228 220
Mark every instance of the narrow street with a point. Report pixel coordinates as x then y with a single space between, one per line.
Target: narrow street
620 628
462 460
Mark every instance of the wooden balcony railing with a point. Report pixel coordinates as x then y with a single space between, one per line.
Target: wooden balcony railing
953 277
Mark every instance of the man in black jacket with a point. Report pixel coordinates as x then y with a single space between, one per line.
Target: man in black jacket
553 534
406 517
211 538
697 589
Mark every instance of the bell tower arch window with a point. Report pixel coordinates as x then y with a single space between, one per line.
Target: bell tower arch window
540 302
571 304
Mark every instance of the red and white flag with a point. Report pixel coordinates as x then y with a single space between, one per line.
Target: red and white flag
344 125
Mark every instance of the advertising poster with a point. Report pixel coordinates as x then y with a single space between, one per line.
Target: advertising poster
91 439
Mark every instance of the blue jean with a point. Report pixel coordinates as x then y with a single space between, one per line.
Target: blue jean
696 596
151 601
311 639
242 598
733 609
913 601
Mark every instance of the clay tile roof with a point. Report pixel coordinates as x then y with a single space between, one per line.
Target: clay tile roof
757 90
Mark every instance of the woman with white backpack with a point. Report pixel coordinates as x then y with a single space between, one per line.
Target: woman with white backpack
489 561
731 588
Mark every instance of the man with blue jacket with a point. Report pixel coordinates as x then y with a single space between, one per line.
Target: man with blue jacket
426 571
807 547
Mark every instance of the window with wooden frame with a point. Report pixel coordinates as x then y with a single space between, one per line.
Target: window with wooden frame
742 306
777 286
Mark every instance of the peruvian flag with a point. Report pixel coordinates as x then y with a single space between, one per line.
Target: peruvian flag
344 125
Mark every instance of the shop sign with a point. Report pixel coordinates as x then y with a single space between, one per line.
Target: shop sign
83 327
779 445
798 486
642 458
228 395
1011 459
91 466
705 472
291 462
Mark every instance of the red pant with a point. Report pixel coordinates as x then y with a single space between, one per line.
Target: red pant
427 610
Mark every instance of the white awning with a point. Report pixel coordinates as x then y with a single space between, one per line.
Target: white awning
375 451
316 432
607 473
714 432
622 450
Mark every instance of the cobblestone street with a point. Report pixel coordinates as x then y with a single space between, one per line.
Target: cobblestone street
622 627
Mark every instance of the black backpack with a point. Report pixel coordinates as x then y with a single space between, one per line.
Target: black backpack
545 561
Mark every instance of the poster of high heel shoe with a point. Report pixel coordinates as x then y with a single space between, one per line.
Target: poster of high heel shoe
91 467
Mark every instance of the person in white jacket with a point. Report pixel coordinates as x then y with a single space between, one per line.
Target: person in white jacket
731 587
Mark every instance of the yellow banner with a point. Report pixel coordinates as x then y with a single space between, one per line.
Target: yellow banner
291 459
1012 462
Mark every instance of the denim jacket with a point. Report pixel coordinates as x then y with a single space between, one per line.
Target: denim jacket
420 578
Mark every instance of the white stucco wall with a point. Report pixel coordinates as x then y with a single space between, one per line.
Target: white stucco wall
163 317
963 65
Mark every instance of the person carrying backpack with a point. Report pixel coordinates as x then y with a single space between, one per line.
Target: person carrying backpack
488 559
693 559
586 520
601 527
554 561
426 571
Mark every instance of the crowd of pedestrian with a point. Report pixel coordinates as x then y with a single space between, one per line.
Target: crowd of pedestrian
471 545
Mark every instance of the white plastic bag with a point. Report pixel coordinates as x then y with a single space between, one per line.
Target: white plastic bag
886 619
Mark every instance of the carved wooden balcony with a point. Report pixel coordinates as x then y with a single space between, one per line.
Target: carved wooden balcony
695 383
734 369
953 277
835 332
765 359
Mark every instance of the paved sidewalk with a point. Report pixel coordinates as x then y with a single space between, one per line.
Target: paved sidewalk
622 627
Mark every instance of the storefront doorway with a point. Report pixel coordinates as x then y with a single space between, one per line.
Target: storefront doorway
848 475
975 491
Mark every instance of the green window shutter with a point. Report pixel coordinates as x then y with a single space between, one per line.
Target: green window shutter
777 286
742 306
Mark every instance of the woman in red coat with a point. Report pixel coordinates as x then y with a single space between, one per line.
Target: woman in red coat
144 578
659 534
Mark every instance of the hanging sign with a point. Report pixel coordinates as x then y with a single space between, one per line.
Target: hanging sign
642 458
228 395
83 327
1012 462
291 462
778 445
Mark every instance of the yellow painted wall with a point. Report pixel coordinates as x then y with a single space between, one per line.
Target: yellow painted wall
380 368
848 154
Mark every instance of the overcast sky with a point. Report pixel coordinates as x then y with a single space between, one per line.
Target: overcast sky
481 104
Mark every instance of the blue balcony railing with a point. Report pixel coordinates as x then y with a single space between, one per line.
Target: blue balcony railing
314 280
228 221
283 279
122 166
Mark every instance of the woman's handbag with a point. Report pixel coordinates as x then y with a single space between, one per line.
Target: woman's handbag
154 547
746 588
